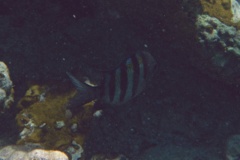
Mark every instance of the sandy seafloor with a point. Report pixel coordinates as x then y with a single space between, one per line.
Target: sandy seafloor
183 114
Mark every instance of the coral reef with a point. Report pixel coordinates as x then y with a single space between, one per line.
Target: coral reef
217 30
6 88
13 152
219 56
213 32
226 11
44 115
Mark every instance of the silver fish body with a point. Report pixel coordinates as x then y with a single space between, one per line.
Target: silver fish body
120 84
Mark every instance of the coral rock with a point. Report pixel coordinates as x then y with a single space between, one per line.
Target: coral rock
15 152
6 88
6 152
40 154
226 11
233 148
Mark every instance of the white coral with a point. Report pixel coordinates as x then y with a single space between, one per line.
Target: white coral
235 8
215 33
14 152
6 87
46 155
75 150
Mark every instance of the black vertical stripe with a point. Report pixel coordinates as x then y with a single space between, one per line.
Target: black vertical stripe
123 81
136 74
112 85
105 89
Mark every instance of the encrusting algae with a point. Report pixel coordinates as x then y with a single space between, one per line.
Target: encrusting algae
34 94
44 119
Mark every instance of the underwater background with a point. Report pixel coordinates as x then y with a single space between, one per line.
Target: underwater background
189 109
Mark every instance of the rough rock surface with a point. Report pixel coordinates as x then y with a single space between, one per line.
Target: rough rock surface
6 88
14 152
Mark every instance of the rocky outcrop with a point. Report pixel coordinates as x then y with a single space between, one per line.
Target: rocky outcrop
6 88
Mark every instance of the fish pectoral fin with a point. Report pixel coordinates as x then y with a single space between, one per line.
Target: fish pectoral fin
79 100
85 94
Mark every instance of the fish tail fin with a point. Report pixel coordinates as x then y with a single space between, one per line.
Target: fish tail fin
85 93
82 87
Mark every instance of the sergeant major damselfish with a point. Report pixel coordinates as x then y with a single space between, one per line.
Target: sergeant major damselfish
120 84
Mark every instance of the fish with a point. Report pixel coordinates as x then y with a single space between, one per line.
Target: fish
120 84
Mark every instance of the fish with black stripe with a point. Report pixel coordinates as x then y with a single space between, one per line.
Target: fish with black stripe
121 84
